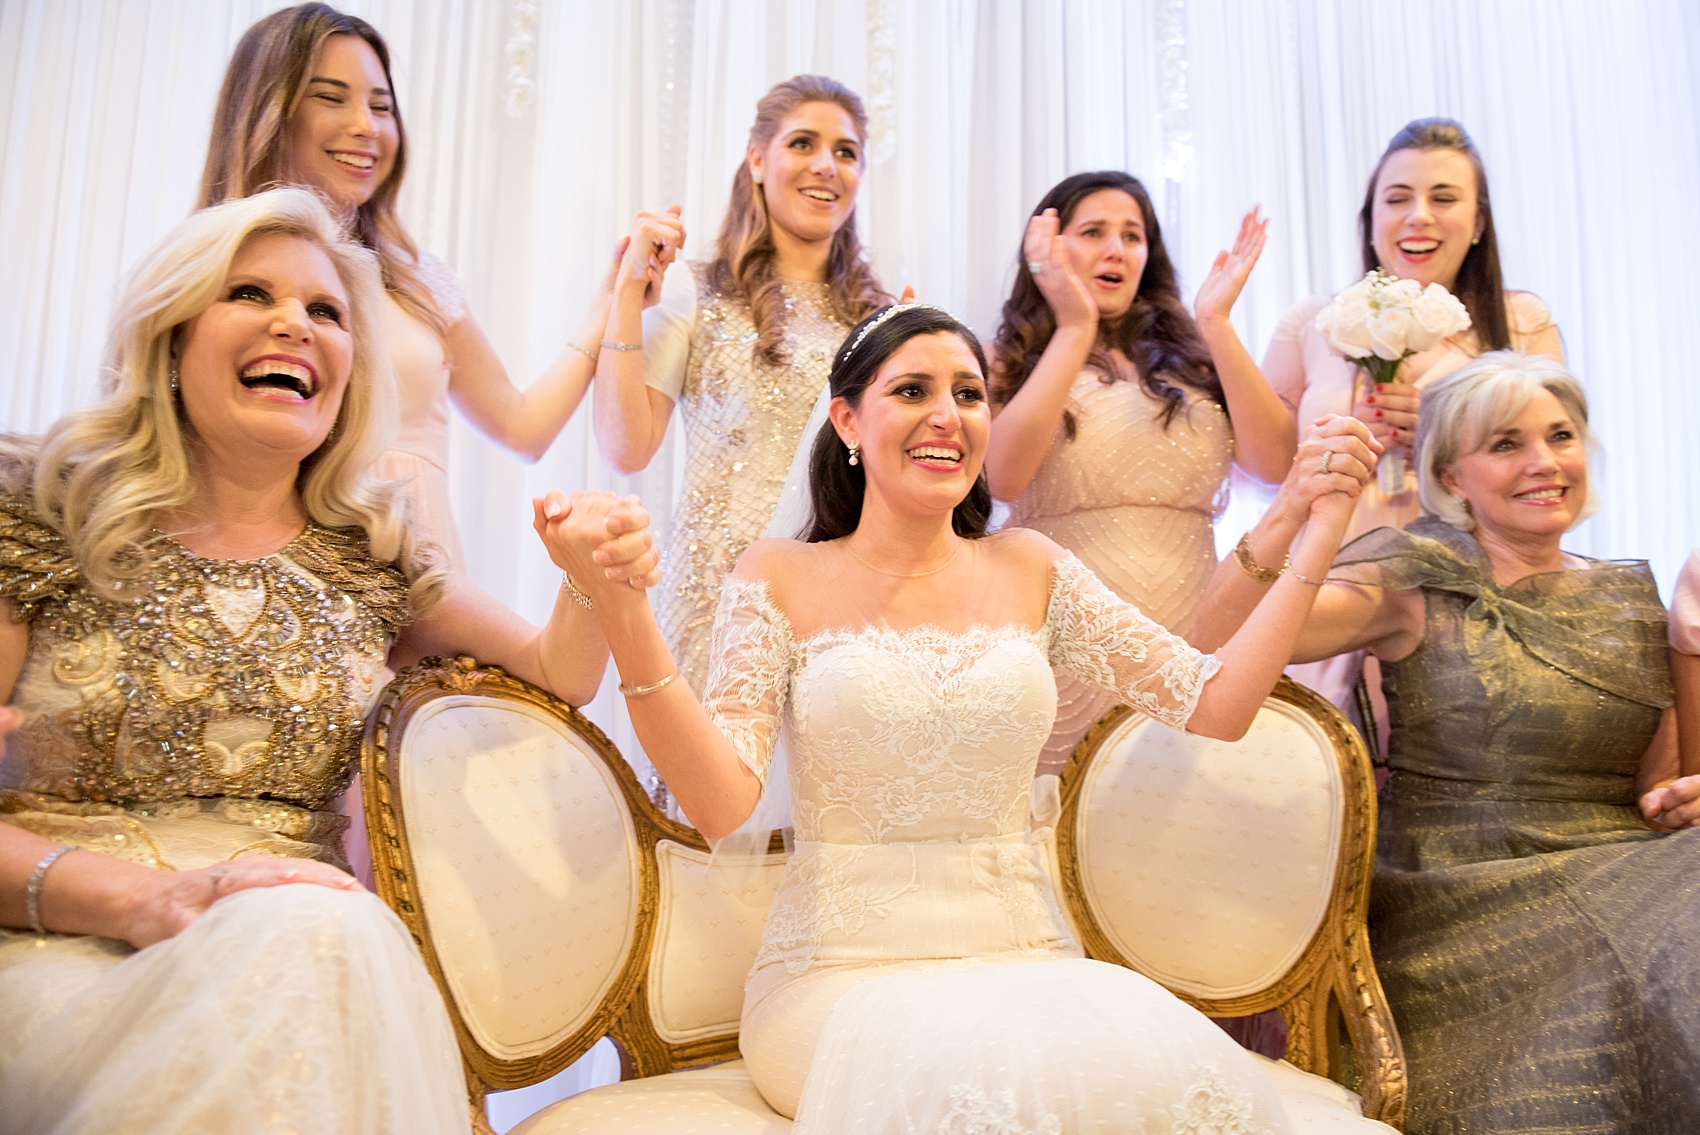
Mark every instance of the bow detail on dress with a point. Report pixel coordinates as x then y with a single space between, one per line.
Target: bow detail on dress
1614 642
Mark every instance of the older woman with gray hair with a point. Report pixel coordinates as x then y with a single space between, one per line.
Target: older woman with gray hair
1536 895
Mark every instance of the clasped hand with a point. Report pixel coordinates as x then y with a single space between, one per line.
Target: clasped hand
1674 804
1335 460
643 257
600 540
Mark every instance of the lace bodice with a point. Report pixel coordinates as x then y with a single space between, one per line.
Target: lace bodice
928 734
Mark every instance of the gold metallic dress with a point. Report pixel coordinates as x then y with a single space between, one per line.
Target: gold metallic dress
211 711
1537 941
1135 500
742 423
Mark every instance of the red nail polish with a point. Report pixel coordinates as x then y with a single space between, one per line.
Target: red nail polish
1378 413
1370 399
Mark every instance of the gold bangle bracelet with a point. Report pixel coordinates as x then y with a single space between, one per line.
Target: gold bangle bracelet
585 351
640 691
1242 553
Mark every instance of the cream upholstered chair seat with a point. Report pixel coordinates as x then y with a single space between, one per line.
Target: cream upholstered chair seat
554 905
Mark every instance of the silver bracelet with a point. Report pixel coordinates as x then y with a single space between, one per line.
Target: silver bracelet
32 889
579 597
585 351
616 345
1294 572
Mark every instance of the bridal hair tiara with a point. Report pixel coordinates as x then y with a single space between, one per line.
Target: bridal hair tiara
882 317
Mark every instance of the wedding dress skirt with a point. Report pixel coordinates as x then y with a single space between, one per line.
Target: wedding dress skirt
282 1009
916 973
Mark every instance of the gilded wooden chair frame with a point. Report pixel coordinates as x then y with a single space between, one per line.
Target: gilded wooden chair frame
624 1011
1334 979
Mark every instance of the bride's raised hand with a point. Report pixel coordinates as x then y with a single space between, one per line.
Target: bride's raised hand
629 554
1221 288
1336 458
1045 253
575 528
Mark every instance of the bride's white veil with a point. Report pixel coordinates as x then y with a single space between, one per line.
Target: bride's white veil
744 851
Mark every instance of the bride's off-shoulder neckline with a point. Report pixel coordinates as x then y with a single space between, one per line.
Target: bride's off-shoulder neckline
759 593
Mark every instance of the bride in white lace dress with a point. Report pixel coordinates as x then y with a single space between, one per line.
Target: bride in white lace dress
916 974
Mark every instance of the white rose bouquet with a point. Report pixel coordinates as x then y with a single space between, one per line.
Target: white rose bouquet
1377 323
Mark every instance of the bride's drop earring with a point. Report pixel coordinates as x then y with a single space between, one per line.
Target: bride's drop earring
855 448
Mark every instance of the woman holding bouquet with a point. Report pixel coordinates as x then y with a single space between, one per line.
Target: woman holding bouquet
1426 217
1119 414
1535 901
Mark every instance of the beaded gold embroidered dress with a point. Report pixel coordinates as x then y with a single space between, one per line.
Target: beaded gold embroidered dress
210 711
1136 502
215 709
742 423
1536 940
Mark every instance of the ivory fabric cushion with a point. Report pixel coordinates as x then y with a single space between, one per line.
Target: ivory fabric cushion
527 867
1209 865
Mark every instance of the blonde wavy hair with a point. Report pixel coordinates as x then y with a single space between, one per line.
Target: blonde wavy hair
1466 407
248 151
101 474
744 252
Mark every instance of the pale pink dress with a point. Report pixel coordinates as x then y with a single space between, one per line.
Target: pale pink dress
1685 608
1314 379
420 453
1136 501
419 456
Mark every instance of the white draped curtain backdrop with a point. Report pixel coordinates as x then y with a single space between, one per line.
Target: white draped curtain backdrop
540 126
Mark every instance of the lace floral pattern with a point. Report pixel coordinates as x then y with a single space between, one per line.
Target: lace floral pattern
751 675
826 892
911 760
975 1111
1103 641
1213 1106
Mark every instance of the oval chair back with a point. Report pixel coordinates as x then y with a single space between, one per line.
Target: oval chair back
1237 876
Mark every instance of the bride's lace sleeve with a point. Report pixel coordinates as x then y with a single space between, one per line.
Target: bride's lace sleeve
749 675
1101 639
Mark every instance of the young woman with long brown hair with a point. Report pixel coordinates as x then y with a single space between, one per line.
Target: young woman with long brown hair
741 343
1119 414
1427 217
308 99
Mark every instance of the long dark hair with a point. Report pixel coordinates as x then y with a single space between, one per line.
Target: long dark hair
1157 332
1480 286
836 487
744 253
